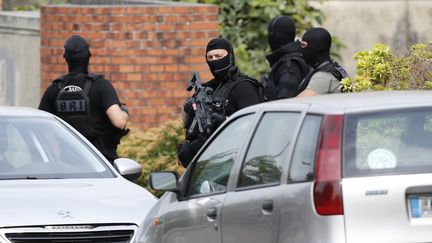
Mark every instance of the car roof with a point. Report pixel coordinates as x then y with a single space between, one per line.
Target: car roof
22 111
350 102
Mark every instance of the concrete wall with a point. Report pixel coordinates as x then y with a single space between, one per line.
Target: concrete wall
19 58
360 24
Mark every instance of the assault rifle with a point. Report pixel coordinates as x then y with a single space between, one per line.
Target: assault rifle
203 101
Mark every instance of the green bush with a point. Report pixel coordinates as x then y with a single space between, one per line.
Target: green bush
155 149
384 69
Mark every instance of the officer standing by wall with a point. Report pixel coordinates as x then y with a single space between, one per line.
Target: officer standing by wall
233 91
286 60
326 75
87 101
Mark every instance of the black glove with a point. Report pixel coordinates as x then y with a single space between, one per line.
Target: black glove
187 150
188 105
216 120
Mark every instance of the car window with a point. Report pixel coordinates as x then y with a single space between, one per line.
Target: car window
303 160
267 152
397 141
211 171
44 148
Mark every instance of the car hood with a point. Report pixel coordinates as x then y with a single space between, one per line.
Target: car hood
72 201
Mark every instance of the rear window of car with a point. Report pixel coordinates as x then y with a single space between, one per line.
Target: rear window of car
388 142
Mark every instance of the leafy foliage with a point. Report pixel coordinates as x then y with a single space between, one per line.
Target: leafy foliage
244 23
155 149
383 69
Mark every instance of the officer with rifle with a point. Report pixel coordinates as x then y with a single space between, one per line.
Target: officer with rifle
229 91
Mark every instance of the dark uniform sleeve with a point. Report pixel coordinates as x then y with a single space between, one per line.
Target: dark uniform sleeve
289 81
245 94
48 99
108 95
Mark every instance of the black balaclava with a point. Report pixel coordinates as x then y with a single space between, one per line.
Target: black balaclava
281 31
77 54
220 68
317 50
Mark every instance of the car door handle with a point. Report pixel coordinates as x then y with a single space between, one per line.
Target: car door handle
212 213
268 205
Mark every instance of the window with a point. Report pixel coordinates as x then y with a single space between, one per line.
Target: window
268 150
303 160
388 142
212 169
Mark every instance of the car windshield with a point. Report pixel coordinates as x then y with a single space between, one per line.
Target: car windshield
391 142
43 148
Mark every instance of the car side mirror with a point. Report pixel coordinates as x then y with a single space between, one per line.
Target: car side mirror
164 181
128 168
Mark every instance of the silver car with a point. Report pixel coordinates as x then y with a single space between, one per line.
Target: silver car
350 168
56 187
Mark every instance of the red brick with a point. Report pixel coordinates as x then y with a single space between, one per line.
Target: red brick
165 27
171 68
165 9
117 10
171 18
149 10
134 76
156 68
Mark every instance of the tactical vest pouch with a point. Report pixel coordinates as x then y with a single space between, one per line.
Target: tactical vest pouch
73 105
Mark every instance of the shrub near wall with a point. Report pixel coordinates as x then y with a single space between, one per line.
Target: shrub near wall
155 149
384 69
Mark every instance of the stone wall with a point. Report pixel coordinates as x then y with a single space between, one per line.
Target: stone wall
148 51
19 58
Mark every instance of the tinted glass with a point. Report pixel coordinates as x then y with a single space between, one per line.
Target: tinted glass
304 155
388 142
43 148
211 171
267 152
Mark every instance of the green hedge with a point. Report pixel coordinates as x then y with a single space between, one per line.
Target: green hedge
155 149
382 68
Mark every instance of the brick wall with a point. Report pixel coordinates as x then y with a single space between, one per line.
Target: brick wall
147 51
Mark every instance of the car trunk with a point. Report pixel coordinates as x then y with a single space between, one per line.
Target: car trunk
391 208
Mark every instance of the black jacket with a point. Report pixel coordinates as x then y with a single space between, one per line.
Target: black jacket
287 71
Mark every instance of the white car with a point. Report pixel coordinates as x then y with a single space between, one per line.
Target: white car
55 186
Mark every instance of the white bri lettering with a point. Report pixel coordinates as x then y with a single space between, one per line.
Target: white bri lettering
71 105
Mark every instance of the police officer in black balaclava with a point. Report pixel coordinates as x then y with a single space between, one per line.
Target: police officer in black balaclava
77 54
317 43
102 120
326 74
233 91
286 61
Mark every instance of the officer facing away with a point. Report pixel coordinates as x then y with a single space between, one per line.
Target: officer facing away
286 60
87 101
326 75
233 91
